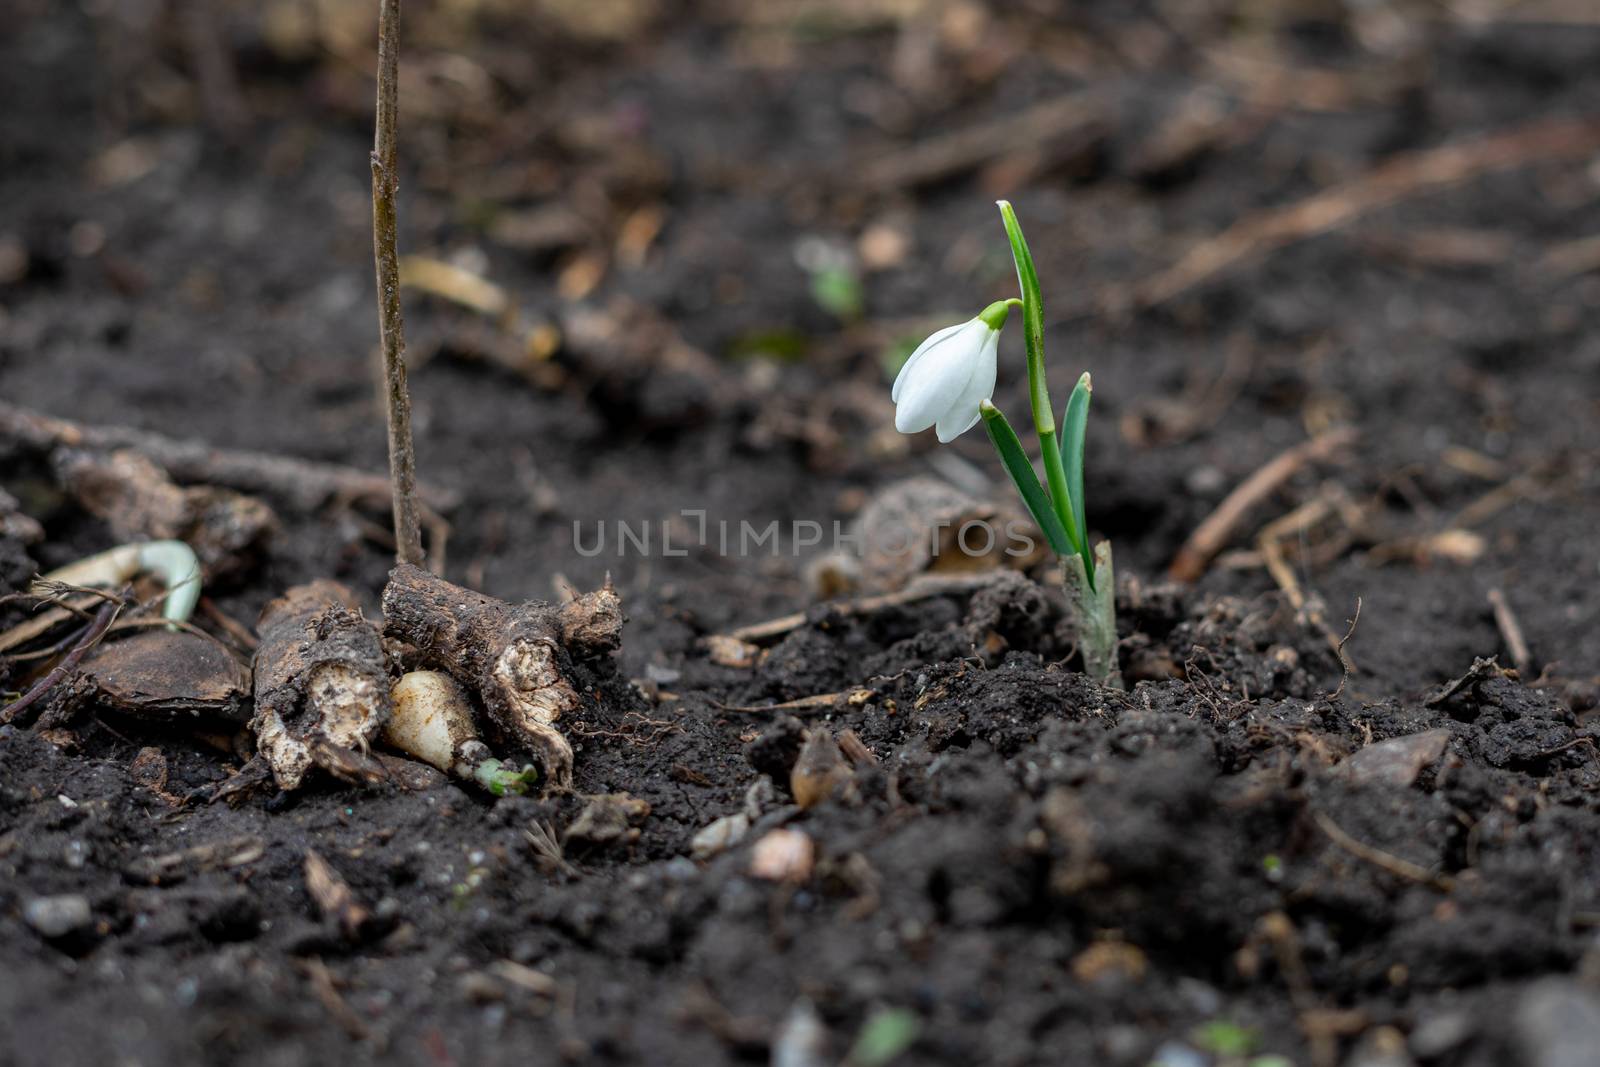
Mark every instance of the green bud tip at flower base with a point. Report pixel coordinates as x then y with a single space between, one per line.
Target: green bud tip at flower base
994 316
949 374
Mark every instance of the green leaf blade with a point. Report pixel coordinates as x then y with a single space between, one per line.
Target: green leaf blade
1023 477
1032 318
1074 430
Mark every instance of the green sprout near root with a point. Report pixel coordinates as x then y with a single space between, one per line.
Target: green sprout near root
503 780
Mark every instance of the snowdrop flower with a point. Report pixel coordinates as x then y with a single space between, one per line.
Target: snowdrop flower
949 375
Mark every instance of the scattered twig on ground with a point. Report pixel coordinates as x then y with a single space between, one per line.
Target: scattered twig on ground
322 983
1511 632
1077 116
1580 256
334 898
1482 670
385 185
1454 538
1529 483
1408 175
1346 664
815 702
91 637
1212 535
241 634
922 588
1308 608
303 483
1402 868
47 619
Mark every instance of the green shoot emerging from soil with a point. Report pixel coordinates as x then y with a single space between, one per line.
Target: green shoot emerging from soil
501 780
948 382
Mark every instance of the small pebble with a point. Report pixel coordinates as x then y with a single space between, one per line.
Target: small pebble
719 836
1174 1054
1557 1024
802 1038
1437 1034
783 856
58 916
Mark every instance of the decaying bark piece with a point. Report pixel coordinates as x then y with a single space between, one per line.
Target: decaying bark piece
922 526
322 693
517 659
141 503
167 674
819 770
303 484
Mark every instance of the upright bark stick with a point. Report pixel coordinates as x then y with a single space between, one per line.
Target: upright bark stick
385 183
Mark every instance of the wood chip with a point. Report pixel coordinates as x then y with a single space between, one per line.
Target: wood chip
334 898
1395 762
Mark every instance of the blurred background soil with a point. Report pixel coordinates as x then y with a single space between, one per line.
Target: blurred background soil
663 257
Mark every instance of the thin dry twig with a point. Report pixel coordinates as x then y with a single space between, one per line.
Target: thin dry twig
242 635
1406 176
1213 534
1402 868
1310 609
923 588
1527 484
385 185
327 991
1511 632
1345 661
1072 115
334 898
815 702
91 637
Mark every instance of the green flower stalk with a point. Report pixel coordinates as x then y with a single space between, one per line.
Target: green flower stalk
948 382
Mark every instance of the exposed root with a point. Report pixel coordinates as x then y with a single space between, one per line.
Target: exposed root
516 658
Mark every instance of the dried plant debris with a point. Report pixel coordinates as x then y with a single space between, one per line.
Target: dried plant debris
819 770
140 502
608 818
16 524
921 526
160 673
322 692
516 659
339 905
1396 762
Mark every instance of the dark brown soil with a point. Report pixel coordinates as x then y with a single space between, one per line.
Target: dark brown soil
1036 870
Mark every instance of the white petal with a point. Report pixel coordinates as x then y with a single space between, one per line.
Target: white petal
963 414
921 350
939 378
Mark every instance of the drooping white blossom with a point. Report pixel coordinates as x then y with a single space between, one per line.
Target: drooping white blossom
948 375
